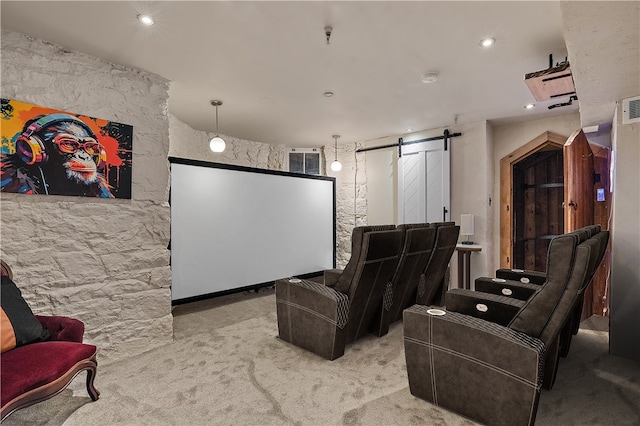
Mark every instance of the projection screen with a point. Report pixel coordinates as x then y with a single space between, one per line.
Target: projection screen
236 227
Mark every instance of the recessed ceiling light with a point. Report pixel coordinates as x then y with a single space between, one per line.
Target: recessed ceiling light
430 77
529 106
146 19
486 42
408 129
328 94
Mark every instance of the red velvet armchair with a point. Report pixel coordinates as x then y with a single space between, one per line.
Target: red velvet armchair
37 371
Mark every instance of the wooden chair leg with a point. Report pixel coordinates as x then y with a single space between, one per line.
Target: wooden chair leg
94 394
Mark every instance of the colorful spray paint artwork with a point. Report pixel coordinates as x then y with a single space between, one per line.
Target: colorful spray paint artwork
46 151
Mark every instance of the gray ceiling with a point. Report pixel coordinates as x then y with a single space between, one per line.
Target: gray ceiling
270 64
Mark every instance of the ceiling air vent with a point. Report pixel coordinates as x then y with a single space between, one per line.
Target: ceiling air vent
631 110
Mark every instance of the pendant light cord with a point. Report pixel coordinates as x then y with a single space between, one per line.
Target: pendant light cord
216 120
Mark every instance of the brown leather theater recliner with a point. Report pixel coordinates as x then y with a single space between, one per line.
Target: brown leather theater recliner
484 356
331 276
573 325
324 318
427 250
521 284
580 277
419 241
517 283
432 285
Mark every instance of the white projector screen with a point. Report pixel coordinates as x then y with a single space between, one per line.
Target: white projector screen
235 227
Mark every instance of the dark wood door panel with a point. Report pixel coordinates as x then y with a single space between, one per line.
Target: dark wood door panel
578 189
537 214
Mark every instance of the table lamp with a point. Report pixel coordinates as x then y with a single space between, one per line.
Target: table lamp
466 227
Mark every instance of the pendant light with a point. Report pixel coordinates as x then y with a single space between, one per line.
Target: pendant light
217 143
336 166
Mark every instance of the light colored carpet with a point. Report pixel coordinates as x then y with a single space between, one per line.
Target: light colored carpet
226 371
592 388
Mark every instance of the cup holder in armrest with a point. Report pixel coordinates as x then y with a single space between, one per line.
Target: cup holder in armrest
482 307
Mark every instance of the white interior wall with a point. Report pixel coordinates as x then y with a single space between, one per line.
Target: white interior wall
470 192
491 206
624 335
382 184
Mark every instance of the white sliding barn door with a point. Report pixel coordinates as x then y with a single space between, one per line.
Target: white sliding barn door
424 183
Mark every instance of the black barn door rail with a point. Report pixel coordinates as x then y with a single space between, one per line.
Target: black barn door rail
446 135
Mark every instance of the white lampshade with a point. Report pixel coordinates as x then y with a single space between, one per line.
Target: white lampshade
336 166
217 144
466 224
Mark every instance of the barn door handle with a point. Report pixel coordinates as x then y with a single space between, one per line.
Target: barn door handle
573 204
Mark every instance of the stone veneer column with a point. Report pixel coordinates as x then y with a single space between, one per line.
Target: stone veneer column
102 261
351 195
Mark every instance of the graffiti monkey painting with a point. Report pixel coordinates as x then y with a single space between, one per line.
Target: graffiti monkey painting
56 154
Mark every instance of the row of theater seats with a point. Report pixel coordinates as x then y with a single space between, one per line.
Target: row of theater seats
490 352
390 269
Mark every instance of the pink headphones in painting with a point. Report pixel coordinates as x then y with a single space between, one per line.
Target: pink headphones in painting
31 149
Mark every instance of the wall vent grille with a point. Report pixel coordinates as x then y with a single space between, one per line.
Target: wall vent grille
631 110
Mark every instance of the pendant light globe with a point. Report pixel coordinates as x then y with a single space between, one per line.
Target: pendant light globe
217 144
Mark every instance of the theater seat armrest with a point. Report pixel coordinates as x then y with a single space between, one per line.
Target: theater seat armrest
490 307
323 302
534 277
331 277
509 288
62 328
312 316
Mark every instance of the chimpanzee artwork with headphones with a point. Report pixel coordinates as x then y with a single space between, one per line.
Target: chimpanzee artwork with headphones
46 151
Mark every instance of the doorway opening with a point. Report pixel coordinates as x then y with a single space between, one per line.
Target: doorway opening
521 178
537 215
549 186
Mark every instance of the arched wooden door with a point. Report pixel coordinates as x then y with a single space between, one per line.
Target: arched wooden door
579 180
509 235
584 173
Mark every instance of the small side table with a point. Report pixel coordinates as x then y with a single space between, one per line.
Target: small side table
464 263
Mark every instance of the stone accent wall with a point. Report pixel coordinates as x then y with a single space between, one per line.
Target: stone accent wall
351 195
194 145
102 261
